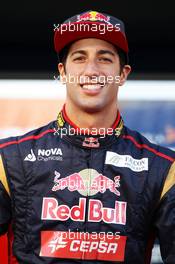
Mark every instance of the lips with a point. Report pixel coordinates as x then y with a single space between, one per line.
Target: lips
92 88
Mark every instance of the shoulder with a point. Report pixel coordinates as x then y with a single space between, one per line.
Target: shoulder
29 137
160 161
142 145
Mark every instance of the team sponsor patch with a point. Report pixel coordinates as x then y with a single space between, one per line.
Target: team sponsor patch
126 161
91 142
87 182
44 155
93 16
56 244
93 208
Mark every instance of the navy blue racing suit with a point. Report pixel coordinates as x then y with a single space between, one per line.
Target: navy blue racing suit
72 197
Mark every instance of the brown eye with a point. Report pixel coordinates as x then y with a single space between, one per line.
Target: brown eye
79 59
105 59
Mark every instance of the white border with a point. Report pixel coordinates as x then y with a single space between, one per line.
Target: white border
53 89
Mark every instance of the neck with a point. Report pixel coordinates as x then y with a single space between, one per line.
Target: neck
83 119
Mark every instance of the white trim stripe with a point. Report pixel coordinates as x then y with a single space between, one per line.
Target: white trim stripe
53 89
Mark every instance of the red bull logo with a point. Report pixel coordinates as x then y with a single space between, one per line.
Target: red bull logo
87 182
93 16
91 142
52 210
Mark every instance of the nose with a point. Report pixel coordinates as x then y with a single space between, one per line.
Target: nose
91 69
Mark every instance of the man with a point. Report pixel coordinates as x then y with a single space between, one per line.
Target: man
85 188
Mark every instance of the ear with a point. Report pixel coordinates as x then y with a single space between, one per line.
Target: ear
61 70
124 74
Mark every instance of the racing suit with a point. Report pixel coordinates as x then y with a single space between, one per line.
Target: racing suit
78 198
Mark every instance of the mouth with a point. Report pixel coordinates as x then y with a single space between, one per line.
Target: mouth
92 88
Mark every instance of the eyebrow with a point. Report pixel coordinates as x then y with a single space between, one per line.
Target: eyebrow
100 52
79 51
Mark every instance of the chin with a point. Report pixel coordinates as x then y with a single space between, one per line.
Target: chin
92 108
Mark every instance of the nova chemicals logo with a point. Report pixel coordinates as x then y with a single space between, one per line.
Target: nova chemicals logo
44 155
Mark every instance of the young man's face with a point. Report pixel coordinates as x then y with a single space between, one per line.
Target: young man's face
93 75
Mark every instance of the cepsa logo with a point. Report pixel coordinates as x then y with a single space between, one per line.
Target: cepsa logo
93 16
57 245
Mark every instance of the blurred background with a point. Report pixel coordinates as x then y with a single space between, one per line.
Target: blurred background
31 95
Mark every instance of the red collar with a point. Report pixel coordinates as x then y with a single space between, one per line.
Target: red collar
117 125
